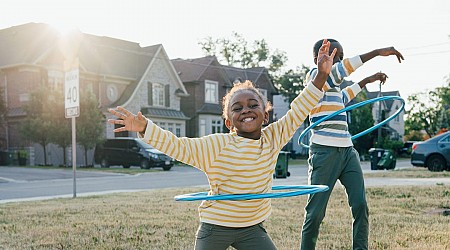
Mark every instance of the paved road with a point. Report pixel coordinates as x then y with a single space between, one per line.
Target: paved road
19 184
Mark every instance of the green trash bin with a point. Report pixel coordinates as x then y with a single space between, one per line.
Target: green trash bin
6 158
388 160
281 169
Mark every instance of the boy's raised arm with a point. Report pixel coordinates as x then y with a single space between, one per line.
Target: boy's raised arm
388 51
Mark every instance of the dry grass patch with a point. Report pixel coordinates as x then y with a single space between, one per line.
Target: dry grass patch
413 172
399 219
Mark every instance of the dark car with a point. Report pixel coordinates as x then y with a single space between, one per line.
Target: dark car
433 153
129 151
407 148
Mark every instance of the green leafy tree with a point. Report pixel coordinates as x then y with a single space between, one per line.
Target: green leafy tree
38 125
238 52
443 94
292 82
424 113
3 109
61 134
90 124
361 119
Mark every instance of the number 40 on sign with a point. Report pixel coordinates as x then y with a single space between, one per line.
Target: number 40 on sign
71 93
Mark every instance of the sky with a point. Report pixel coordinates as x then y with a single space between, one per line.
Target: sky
420 30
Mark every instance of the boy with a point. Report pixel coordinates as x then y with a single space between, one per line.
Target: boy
332 156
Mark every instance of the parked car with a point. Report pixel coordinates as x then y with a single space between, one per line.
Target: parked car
129 151
433 153
407 148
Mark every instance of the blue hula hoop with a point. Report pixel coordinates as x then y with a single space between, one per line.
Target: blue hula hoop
351 107
300 190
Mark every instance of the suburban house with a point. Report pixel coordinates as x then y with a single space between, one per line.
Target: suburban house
395 129
207 82
118 72
260 78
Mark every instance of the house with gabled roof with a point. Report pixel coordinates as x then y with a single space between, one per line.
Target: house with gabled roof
207 82
118 72
396 127
260 78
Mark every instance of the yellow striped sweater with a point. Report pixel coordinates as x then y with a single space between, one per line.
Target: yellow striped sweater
234 164
334 132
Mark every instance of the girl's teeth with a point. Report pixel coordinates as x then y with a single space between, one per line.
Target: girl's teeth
248 119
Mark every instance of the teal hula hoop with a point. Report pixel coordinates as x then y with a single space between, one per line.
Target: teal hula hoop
300 190
351 107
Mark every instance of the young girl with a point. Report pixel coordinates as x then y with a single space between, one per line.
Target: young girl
242 161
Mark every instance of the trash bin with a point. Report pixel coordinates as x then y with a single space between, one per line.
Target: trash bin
281 169
6 158
388 160
375 157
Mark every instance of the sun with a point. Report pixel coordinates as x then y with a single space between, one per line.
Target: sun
64 27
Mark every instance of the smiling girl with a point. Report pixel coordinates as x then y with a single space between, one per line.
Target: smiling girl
242 161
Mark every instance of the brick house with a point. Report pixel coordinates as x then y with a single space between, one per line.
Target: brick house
207 82
118 72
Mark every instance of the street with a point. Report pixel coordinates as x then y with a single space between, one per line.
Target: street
20 184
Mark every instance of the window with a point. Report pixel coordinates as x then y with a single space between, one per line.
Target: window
397 118
216 126
202 127
263 92
178 129
170 127
158 94
24 97
211 92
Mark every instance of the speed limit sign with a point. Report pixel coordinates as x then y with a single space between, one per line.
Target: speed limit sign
72 93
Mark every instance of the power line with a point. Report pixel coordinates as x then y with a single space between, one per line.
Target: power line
426 46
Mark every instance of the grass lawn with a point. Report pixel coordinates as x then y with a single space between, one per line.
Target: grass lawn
400 218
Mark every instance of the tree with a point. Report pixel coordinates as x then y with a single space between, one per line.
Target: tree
90 124
423 114
238 53
292 82
2 106
38 124
61 135
360 120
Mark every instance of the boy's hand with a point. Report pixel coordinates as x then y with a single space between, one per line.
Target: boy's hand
324 64
376 77
325 61
391 51
131 122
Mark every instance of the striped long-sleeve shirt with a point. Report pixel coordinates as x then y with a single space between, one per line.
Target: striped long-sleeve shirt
334 132
234 164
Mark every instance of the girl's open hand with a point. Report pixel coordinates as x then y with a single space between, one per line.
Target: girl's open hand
131 122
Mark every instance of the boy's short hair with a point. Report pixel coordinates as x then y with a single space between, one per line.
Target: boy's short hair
318 44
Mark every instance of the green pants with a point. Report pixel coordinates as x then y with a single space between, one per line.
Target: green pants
214 237
326 166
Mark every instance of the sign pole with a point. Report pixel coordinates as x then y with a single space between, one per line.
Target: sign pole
74 157
72 105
